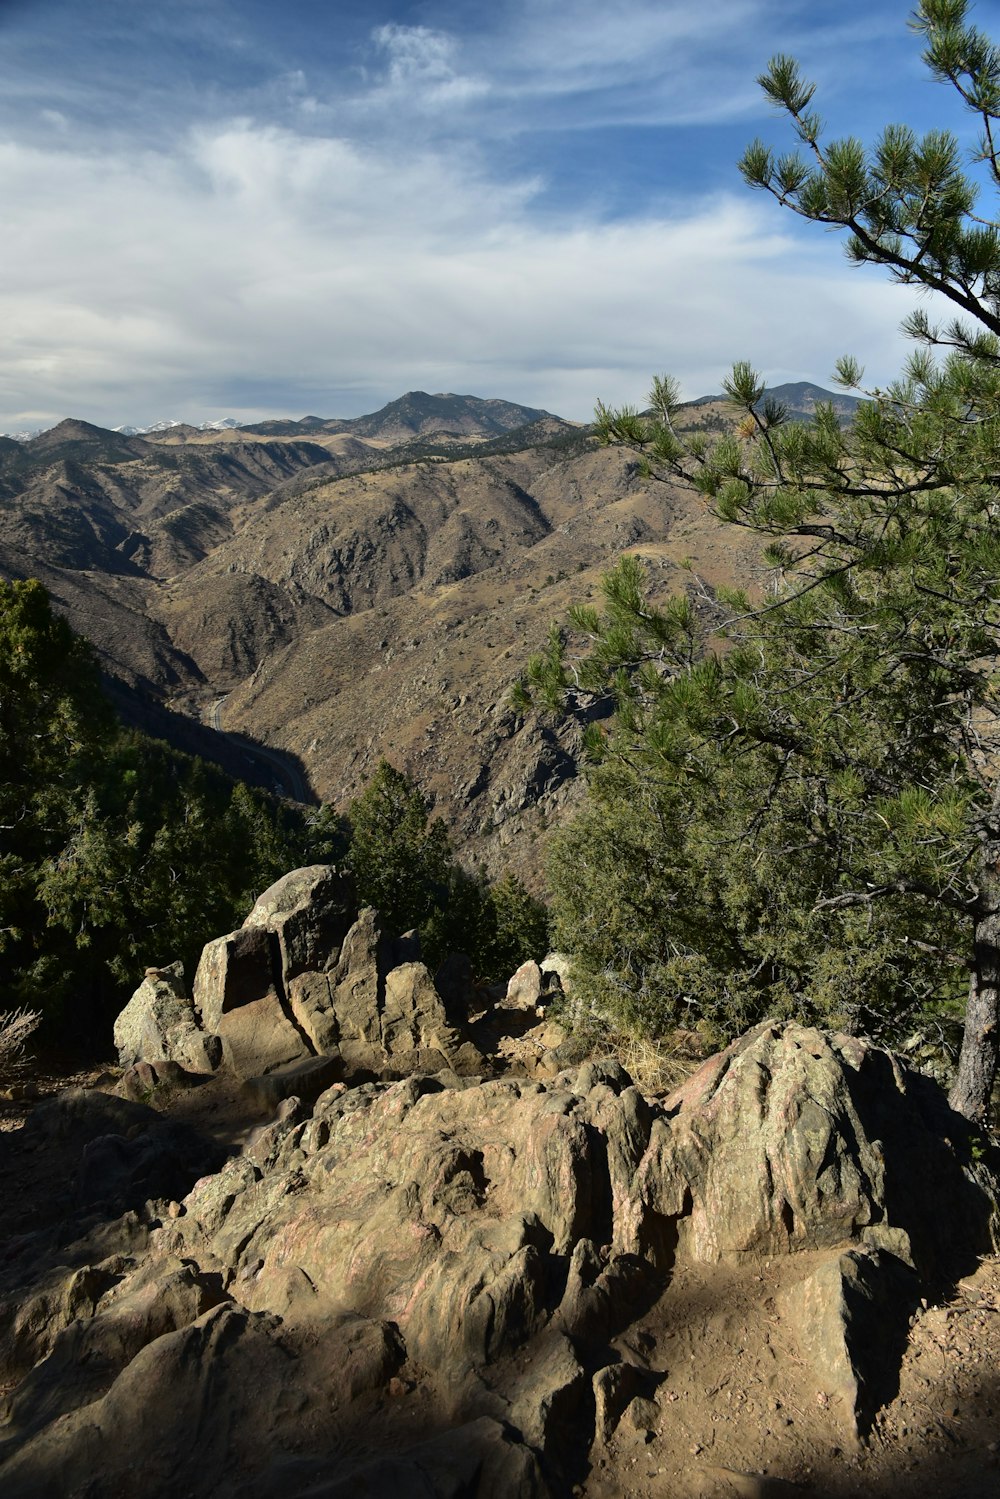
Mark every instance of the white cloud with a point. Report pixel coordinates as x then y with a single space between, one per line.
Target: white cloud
561 46
577 64
416 52
421 71
256 270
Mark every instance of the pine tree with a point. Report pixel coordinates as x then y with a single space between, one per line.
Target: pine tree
829 772
403 865
401 860
115 851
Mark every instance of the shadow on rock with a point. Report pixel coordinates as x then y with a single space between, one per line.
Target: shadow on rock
457 1271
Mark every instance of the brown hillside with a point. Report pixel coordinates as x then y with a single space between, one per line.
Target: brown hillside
340 617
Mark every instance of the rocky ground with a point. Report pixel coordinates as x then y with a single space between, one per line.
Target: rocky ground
516 1275
737 1411
743 1416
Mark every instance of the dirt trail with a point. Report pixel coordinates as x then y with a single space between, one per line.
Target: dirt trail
739 1415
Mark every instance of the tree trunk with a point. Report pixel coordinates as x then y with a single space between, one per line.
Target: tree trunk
977 1064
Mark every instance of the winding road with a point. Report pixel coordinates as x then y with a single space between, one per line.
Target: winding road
294 781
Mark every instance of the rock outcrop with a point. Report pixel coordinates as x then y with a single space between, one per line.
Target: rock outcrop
302 978
794 1139
159 1024
380 1008
449 1273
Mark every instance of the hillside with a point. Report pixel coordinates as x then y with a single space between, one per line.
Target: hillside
799 397
339 599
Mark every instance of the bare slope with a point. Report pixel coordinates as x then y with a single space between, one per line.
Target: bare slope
441 581
347 616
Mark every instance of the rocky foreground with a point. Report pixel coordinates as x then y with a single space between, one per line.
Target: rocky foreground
427 1271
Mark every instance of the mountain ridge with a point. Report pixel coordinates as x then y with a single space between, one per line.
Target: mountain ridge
416 413
338 598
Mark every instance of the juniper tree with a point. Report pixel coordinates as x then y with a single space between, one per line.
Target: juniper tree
828 774
403 864
115 851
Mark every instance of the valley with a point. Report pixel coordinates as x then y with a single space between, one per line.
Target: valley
333 592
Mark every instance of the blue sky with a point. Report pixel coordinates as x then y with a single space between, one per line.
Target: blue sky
232 207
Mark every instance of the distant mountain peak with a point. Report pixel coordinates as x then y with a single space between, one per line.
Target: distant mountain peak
799 397
416 415
227 424
419 414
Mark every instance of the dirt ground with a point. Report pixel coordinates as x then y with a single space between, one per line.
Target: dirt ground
736 1412
740 1414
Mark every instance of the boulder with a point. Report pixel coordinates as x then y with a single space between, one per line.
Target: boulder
849 1318
615 1388
551 1404
259 1037
357 984
159 1024
413 1013
239 994
525 988
365 996
383 1014
239 969
307 911
793 1139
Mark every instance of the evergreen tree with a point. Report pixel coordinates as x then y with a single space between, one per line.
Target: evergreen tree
115 851
401 860
404 866
512 927
53 723
827 775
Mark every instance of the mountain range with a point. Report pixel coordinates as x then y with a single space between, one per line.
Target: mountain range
299 599
418 414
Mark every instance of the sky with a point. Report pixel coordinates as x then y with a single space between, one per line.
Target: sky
231 208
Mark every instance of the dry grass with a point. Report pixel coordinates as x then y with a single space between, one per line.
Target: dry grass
660 1066
16 1026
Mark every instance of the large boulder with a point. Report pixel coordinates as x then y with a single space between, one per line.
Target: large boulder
159 1024
239 994
380 1012
236 970
363 996
309 912
524 991
257 1038
793 1138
